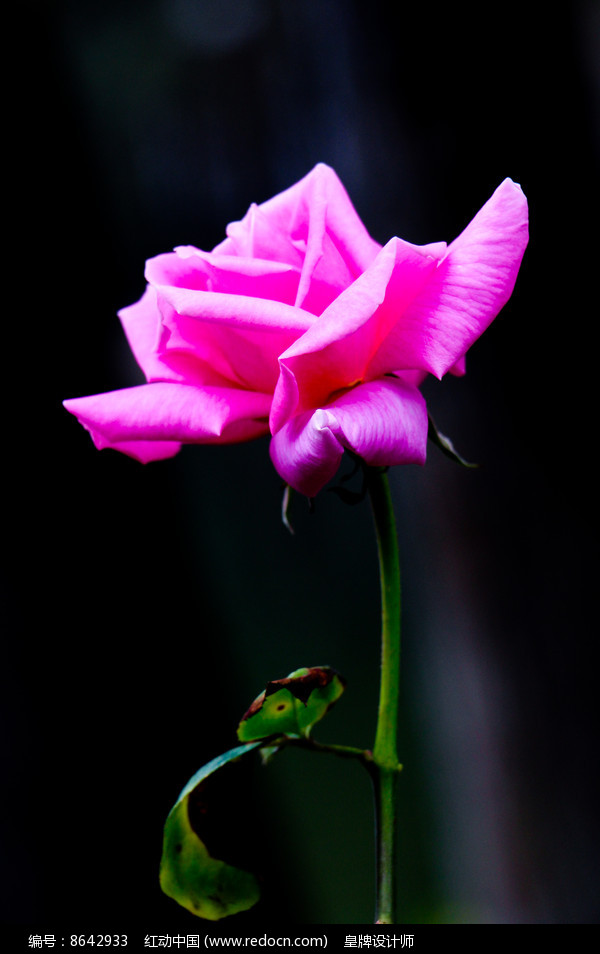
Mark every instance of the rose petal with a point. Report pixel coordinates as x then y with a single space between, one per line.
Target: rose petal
239 353
384 422
314 225
143 451
320 200
264 236
238 336
241 311
174 413
338 349
161 356
142 326
466 292
190 268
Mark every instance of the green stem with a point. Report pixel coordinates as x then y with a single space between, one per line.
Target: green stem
343 751
385 767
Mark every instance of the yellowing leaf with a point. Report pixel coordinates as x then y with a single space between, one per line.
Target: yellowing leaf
206 886
291 706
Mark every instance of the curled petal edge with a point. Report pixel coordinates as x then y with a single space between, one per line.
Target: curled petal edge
383 422
151 421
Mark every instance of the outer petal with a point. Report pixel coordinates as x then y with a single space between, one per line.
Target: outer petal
338 350
384 422
173 413
142 326
466 292
142 451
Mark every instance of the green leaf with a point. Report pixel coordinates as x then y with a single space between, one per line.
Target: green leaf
445 445
207 886
291 706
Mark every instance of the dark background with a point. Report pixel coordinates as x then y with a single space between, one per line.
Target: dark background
145 607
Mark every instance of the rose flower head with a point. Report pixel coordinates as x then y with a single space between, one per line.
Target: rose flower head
300 325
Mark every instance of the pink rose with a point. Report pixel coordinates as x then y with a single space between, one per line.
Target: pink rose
301 325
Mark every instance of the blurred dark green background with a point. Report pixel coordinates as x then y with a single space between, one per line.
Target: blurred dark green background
145 607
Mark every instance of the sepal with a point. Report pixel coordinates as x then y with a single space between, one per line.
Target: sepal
445 444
